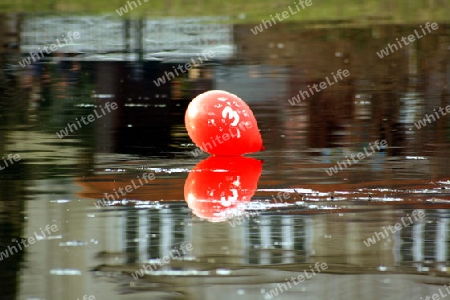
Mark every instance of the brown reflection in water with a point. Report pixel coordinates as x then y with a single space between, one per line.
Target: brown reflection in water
381 98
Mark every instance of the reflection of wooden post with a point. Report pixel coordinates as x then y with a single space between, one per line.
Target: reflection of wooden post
140 39
126 36
108 90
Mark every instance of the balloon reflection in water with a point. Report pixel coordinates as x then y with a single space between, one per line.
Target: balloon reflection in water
219 187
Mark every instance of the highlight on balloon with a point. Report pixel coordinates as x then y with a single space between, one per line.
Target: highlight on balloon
222 124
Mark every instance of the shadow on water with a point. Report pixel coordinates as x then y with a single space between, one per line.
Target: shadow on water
291 214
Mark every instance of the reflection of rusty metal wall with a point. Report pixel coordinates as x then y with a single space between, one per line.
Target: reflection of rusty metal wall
390 88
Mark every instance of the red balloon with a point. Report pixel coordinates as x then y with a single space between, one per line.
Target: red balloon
221 123
217 187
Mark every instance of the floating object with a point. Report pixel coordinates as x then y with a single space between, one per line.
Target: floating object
218 187
222 124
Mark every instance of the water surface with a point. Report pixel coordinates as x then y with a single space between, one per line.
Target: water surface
295 215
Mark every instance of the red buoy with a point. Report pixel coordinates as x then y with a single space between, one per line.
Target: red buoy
222 124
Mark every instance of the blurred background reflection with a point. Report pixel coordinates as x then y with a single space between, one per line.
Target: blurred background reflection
322 218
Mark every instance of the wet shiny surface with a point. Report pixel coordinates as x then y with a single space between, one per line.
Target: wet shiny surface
294 214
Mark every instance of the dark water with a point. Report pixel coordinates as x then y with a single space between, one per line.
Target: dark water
288 217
